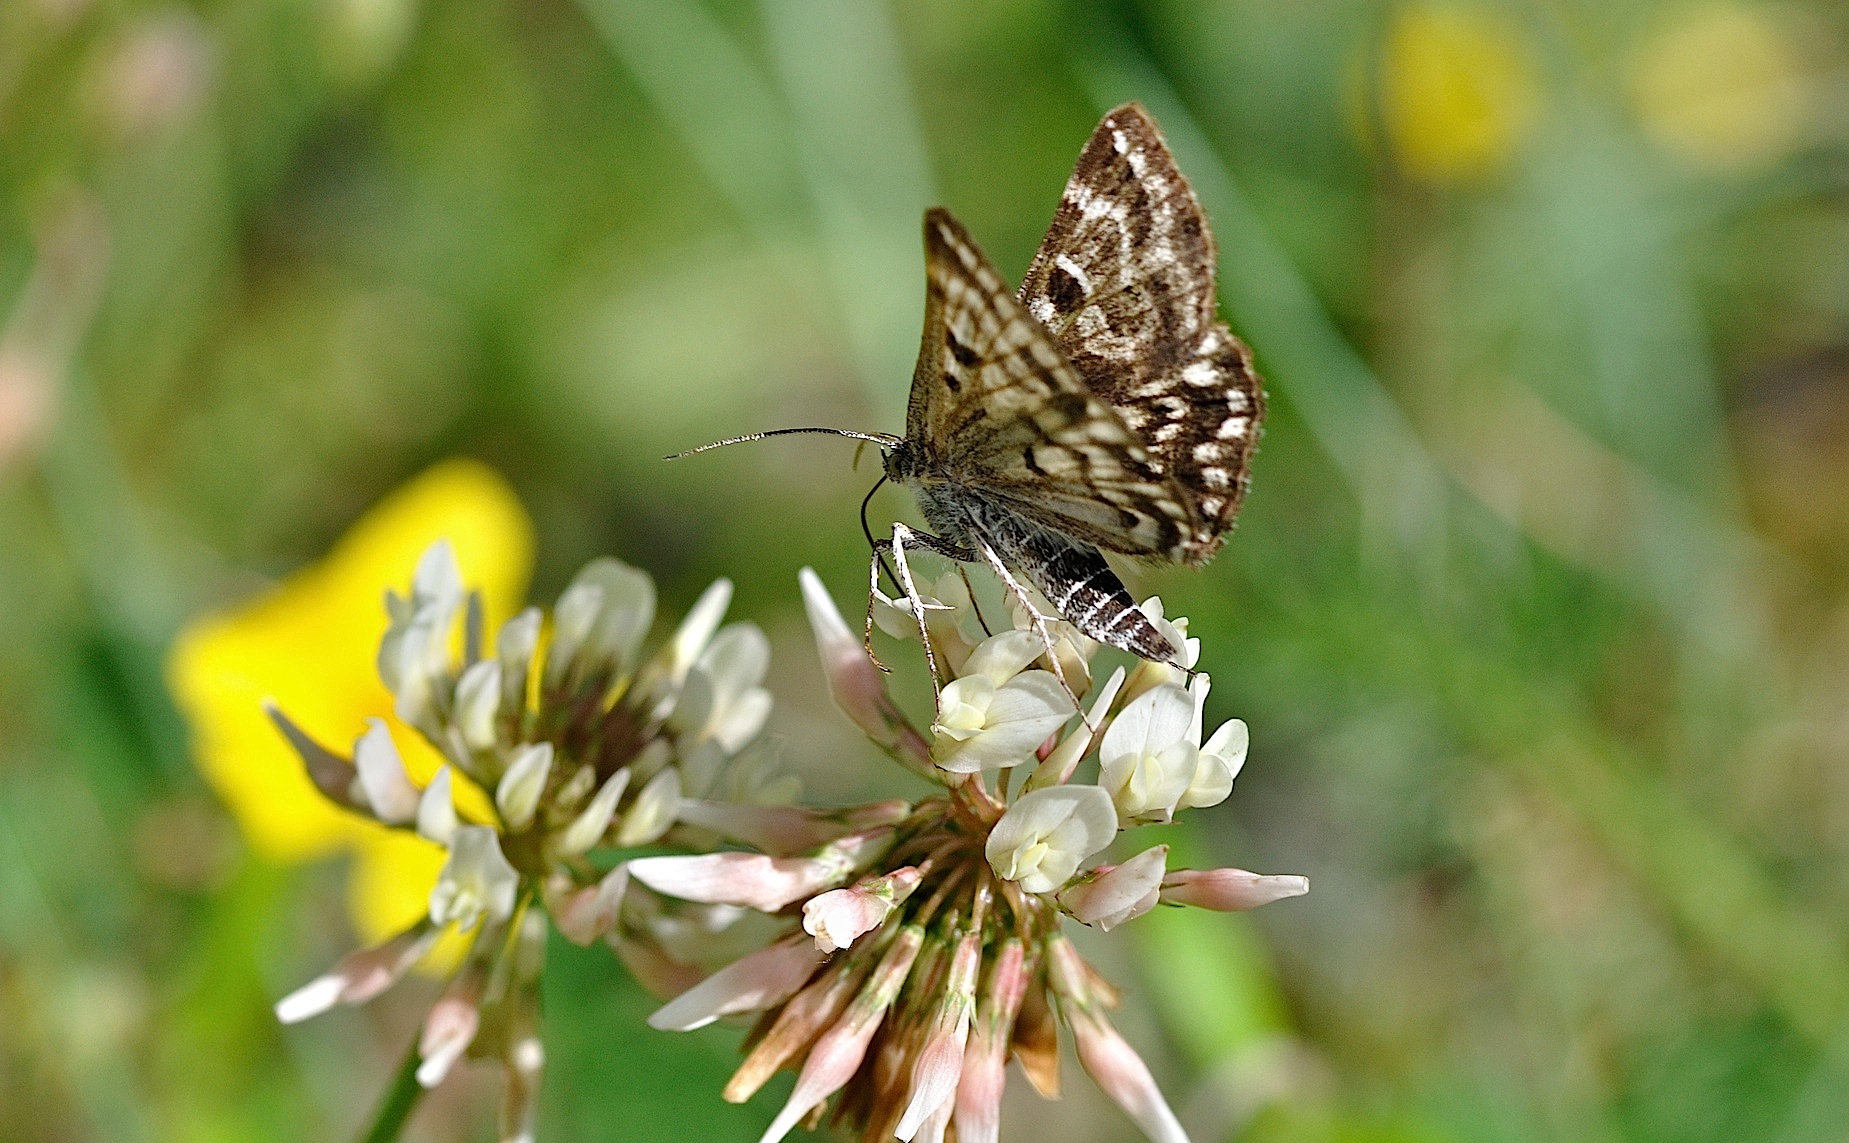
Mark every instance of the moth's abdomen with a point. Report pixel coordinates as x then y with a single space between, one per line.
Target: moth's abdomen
1087 594
1074 577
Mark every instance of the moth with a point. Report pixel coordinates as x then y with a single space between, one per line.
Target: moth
1103 408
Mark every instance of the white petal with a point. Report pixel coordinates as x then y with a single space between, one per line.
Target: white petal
691 637
654 810
1003 656
389 792
1230 742
742 720
963 707
476 882
438 576
1149 724
517 795
572 618
628 609
515 647
738 659
436 810
1065 757
1045 834
478 701
1023 714
589 826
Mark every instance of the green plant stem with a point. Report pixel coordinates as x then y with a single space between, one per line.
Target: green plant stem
400 1100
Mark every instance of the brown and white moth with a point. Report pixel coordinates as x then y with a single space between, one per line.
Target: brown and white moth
1105 408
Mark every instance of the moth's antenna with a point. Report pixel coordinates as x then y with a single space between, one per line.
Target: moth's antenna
867 531
884 440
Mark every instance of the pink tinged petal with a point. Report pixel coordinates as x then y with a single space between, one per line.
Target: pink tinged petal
1058 766
783 830
588 828
1229 890
333 775
436 809
796 1026
388 788
854 682
359 976
750 879
451 1025
838 1054
1119 894
757 881
651 965
517 794
585 912
939 1122
1041 839
940 1061
762 980
839 917
1116 1068
985 1060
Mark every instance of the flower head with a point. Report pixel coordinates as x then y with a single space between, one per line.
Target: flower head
563 745
308 644
915 955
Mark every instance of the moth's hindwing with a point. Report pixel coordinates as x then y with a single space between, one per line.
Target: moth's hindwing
1124 283
996 407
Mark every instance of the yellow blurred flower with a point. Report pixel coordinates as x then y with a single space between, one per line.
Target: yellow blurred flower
1722 87
1457 91
310 644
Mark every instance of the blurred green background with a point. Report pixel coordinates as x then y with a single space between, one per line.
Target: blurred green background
1539 610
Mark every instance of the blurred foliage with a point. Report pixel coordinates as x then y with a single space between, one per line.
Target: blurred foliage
1539 612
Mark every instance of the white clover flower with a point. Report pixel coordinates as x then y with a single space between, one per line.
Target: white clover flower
974 882
477 883
995 714
578 744
1046 834
1147 758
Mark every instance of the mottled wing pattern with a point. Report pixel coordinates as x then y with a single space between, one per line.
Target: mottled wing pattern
997 408
1124 282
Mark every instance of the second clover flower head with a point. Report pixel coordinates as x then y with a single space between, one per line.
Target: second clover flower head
560 739
914 954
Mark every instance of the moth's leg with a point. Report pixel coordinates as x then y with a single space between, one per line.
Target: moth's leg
963 570
1039 621
900 535
873 590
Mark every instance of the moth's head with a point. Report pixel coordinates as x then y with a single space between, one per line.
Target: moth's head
902 460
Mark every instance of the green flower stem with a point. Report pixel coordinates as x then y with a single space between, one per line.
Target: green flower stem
400 1100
